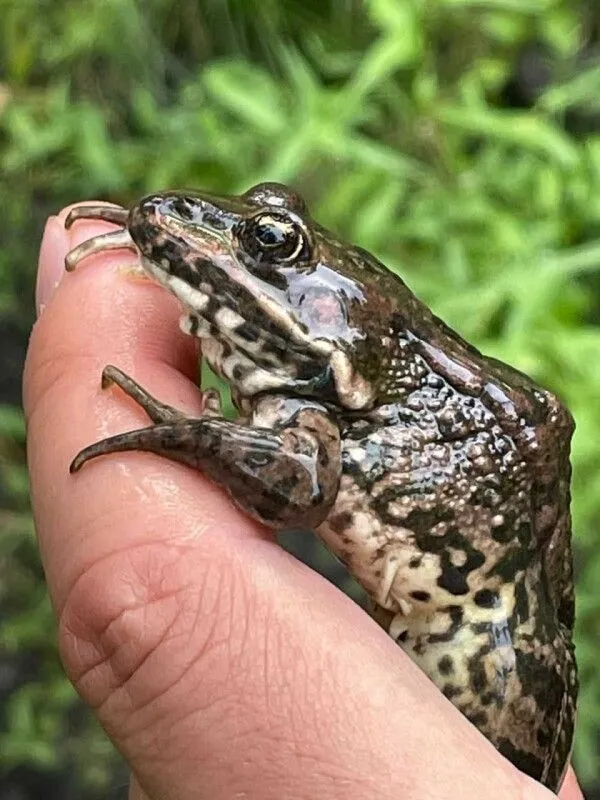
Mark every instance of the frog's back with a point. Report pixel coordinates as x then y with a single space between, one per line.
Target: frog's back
453 512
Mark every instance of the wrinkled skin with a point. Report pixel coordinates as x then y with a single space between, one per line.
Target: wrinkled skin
439 477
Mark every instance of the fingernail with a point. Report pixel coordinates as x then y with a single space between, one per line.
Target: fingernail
51 264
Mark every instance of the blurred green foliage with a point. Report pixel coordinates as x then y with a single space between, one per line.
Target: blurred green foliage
396 121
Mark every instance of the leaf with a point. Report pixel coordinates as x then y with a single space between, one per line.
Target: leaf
249 92
518 129
517 6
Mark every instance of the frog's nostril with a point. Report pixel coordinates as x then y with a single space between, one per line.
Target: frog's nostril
151 205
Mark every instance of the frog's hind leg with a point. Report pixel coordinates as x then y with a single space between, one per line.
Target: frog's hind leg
287 476
157 411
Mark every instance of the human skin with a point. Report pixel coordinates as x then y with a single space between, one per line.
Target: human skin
220 666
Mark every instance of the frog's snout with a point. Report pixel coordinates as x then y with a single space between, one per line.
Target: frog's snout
160 222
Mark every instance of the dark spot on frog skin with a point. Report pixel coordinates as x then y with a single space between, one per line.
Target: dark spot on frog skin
487 698
485 598
451 691
188 273
178 259
269 513
421 595
480 627
478 679
515 561
566 612
419 647
453 580
194 324
416 519
506 532
308 372
543 737
415 562
525 533
479 718
341 522
183 207
424 521
446 665
248 332
214 221
545 687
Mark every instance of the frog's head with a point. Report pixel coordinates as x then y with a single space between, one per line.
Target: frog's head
279 302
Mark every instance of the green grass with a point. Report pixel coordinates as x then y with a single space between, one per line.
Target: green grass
391 117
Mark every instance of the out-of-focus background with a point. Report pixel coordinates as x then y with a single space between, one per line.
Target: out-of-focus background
459 140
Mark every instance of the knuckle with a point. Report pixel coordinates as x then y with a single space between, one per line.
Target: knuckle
140 624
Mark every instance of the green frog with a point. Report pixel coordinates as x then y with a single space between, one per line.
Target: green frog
440 477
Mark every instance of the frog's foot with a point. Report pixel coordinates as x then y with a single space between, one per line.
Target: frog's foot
157 411
114 240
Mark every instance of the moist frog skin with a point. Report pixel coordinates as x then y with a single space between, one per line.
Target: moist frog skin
438 476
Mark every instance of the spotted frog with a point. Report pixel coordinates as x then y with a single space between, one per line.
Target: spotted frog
438 476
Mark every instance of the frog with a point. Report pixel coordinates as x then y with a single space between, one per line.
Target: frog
439 476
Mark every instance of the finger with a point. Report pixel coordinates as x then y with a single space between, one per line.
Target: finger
219 665
99 315
136 792
570 789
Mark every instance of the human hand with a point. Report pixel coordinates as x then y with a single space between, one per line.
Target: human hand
219 665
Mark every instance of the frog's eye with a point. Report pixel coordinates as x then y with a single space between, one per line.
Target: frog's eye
274 237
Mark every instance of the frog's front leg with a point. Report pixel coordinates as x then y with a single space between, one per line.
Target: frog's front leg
281 466
157 411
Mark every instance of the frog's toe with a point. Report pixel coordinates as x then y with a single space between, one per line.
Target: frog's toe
157 411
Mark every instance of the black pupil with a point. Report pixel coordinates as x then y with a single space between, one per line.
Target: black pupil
272 235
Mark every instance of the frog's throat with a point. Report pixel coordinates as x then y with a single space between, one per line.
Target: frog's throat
353 391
